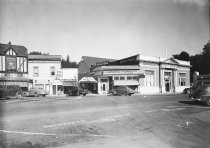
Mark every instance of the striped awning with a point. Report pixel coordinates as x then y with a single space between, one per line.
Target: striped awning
87 80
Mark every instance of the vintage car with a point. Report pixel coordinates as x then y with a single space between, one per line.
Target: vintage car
188 90
11 91
121 90
202 93
35 92
74 91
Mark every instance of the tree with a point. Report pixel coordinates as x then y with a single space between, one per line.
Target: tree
182 56
205 64
68 64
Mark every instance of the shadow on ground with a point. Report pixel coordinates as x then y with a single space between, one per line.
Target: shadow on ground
191 102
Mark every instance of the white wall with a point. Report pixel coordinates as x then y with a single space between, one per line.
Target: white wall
70 73
44 77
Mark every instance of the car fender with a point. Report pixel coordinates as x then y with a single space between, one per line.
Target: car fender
205 97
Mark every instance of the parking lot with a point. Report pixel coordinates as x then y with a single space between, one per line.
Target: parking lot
105 121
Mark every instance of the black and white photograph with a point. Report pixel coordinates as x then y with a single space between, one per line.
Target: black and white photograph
104 73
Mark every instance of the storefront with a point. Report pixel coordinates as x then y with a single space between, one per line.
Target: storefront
14 65
89 83
144 74
109 76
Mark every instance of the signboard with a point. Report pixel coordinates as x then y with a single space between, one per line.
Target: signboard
59 74
169 66
121 72
11 63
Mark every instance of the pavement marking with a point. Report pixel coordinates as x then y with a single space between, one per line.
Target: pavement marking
168 110
27 133
164 109
100 120
149 111
185 125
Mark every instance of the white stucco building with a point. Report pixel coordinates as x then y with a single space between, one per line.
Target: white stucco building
43 70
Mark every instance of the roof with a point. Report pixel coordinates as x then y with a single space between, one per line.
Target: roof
19 50
44 57
93 60
117 67
163 60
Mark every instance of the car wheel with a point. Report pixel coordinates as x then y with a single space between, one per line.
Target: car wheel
129 94
18 95
43 95
84 94
208 102
36 94
125 93
188 92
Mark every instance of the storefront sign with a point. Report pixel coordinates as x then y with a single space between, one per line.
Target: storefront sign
11 63
121 72
169 66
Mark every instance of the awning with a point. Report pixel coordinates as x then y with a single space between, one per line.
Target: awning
87 80
69 83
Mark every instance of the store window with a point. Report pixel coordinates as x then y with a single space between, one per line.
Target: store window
129 78
116 78
149 78
52 71
182 79
104 80
35 71
122 78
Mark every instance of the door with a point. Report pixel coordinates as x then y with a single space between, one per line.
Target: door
103 87
54 89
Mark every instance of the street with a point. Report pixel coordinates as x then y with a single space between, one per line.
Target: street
147 121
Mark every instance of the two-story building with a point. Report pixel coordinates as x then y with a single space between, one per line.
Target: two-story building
43 71
14 65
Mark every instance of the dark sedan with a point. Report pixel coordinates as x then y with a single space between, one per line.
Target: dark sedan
74 91
121 90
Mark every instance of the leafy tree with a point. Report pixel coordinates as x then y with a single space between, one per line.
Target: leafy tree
205 64
68 64
182 56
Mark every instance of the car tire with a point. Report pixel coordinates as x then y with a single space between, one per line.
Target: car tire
129 94
36 94
18 95
84 94
188 92
43 95
207 102
125 93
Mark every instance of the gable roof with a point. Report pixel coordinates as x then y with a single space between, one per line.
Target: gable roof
44 57
93 60
19 50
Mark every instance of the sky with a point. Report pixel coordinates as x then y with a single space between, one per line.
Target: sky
112 29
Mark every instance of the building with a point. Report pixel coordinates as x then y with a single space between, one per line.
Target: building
43 71
85 75
68 77
14 65
144 74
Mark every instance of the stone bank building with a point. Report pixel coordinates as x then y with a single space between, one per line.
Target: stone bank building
142 73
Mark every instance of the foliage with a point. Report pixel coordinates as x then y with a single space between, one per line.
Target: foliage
37 53
182 56
68 64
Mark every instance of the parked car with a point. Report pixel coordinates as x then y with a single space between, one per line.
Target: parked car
35 92
188 90
11 91
202 93
74 91
122 90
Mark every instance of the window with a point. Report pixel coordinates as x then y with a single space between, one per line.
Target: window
182 79
104 80
116 78
52 71
129 78
135 77
149 78
36 71
122 78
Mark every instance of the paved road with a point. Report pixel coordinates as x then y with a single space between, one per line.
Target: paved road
105 121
